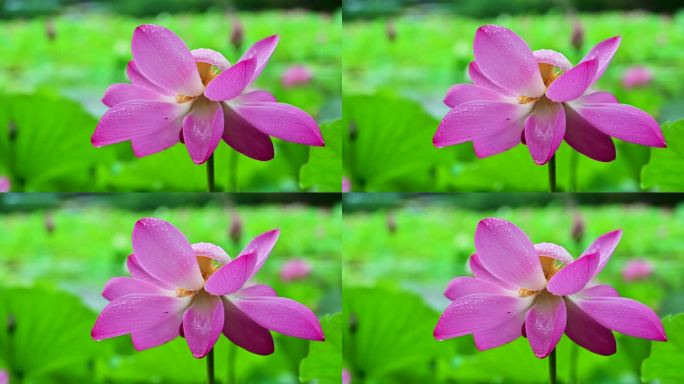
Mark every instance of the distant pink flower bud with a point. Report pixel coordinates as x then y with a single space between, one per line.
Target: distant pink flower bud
295 269
539 291
637 269
237 34
578 228
49 223
50 30
296 75
5 184
577 38
636 77
235 230
346 376
346 184
391 223
197 291
4 377
391 31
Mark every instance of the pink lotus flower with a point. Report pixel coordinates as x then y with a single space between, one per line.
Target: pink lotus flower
539 98
198 97
636 77
637 269
4 377
539 291
295 269
296 75
198 291
5 184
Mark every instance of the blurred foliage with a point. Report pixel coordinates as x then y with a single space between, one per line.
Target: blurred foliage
388 144
45 67
418 56
490 8
33 8
664 170
62 257
324 361
323 169
400 256
664 364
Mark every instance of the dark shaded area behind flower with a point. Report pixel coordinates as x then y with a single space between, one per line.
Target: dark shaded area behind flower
56 253
59 65
408 57
401 251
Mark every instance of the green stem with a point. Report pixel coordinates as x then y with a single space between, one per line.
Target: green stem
232 355
552 174
574 160
210 367
552 367
232 171
574 355
210 174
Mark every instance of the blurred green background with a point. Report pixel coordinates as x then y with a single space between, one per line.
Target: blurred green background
59 56
401 57
57 252
400 252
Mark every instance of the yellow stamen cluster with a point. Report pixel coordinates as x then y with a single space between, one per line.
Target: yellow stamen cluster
180 292
522 292
184 99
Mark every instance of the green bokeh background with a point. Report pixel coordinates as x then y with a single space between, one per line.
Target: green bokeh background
402 250
404 59
55 69
57 252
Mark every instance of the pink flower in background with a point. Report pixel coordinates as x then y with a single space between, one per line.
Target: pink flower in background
346 184
636 77
539 291
346 376
637 269
4 377
295 269
296 75
198 291
540 99
199 98
5 184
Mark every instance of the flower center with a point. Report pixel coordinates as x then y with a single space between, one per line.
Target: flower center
207 72
549 74
207 267
550 267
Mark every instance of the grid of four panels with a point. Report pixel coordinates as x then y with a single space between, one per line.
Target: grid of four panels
357 191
